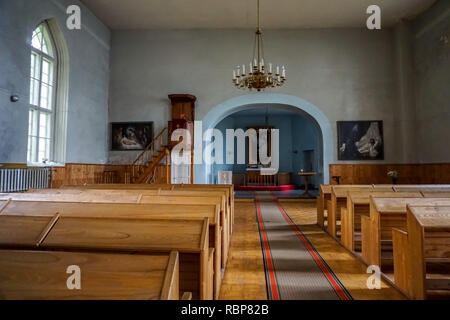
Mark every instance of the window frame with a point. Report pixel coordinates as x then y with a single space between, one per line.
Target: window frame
38 108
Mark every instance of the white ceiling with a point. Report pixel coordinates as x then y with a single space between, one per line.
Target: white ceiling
276 14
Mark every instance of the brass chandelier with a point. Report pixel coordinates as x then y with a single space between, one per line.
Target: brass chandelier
258 77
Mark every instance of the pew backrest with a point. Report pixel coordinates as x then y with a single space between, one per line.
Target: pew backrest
363 197
398 205
440 194
118 210
42 275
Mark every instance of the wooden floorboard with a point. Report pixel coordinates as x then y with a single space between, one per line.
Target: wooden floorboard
244 277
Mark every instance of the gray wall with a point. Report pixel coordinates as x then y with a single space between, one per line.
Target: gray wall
88 79
432 83
349 74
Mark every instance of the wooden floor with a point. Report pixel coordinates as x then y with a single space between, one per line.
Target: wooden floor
244 277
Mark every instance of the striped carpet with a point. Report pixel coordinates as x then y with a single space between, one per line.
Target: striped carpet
294 269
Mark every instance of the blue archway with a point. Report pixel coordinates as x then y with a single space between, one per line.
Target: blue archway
222 110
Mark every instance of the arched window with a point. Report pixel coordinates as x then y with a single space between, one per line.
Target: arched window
43 86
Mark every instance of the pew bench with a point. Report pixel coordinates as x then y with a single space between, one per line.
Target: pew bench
338 201
41 275
358 205
386 214
440 194
122 210
146 191
422 253
137 236
227 189
423 187
144 197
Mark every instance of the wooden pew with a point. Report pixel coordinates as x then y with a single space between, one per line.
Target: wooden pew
157 196
106 196
358 204
146 191
140 196
384 186
3 204
228 189
423 187
187 296
422 253
326 191
41 275
138 236
19 232
338 201
386 214
324 196
121 210
427 194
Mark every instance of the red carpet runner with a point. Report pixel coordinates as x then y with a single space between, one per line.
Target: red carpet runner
294 268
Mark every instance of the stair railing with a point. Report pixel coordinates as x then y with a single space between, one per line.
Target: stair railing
148 155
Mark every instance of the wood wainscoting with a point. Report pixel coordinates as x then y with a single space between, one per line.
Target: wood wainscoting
79 174
437 173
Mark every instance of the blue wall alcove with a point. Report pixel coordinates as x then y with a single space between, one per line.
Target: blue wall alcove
204 173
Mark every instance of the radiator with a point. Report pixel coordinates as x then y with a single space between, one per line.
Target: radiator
17 180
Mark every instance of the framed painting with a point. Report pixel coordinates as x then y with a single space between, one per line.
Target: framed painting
127 136
360 140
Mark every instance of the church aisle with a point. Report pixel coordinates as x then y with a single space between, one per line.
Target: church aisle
245 277
294 268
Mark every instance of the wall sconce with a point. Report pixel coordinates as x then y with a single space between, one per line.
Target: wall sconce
14 98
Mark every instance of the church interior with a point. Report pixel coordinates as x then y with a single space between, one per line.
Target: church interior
224 150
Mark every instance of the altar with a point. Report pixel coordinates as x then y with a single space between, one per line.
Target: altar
260 177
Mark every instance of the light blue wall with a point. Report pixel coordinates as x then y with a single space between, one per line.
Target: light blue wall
306 137
88 79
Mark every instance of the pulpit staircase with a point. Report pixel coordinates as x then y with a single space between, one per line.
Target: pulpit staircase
143 169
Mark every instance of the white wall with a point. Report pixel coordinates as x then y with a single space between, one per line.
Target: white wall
88 79
347 73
